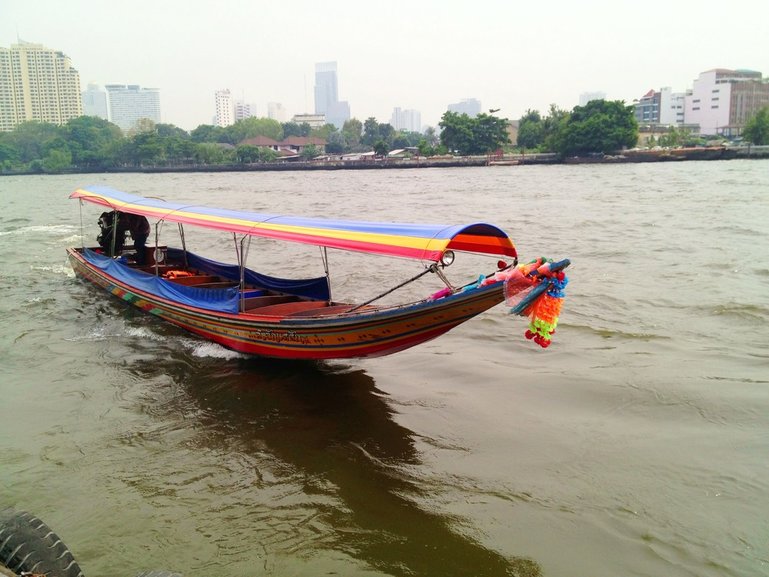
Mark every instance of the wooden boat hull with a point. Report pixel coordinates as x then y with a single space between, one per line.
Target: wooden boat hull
366 333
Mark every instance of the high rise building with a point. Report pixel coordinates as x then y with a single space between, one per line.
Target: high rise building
225 111
37 83
95 102
338 113
326 88
327 95
469 106
276 111
243 110
410 120
129 103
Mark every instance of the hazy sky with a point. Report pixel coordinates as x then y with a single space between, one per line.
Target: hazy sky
422 55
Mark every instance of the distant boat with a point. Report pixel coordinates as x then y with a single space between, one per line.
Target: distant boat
257 314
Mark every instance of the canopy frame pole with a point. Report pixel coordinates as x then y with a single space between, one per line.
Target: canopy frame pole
82 226
155 253
245 245
237 251
432 268
324 258
184 245
114 233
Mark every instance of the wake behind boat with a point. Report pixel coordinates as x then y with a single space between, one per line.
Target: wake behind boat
258 314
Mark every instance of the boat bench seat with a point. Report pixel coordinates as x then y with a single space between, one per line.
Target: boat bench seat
251 303
288 308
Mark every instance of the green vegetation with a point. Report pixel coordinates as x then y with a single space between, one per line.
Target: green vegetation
480 135
757 128
601 126
91 144
539 133
677 137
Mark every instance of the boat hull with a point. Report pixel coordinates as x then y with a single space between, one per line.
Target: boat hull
367 333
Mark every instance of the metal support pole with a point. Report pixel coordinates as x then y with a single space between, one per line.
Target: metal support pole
432 268
324 258
184 245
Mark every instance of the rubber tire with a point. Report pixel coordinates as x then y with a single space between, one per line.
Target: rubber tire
28 545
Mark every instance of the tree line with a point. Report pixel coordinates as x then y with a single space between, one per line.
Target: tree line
603 126
90 144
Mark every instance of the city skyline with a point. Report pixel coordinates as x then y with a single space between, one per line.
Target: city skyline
506 56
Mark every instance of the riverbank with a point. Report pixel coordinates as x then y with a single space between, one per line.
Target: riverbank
630 156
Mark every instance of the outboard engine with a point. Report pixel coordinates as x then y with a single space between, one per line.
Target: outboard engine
106 223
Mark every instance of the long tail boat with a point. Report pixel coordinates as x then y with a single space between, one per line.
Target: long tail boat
258 314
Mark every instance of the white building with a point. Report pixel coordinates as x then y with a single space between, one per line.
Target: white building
129 103
225 111
671 107
410 120
469 106
95 102
243 110
708 103
37 83
722 100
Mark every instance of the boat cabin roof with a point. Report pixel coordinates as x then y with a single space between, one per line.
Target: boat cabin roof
415 241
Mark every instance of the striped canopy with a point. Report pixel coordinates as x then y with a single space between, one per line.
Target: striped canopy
416 241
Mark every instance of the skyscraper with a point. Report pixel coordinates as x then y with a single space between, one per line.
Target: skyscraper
410 120
327 95
37 83
129 103
225 115
95 102
326 89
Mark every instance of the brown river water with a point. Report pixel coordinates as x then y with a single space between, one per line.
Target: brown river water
636 445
